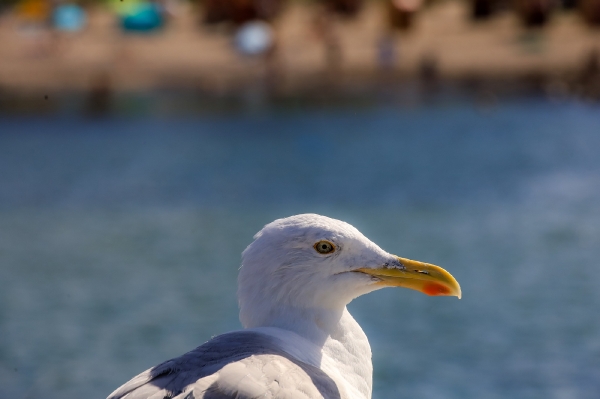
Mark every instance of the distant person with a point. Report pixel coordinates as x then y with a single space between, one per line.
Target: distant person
34 20
590 75
569 4
254 38
590 11
273 67
243 11
268 9
325 30
69 17
143 17
429 76
216 11
591 67
98 102
34 13
347 8
482 9
429 69
535 13
386 51
240 11
401 13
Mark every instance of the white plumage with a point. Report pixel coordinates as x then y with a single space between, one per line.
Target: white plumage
299 341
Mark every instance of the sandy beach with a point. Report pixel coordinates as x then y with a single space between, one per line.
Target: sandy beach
185 54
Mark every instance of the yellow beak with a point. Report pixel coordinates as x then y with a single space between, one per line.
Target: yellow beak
424 277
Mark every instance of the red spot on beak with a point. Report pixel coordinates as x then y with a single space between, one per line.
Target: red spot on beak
434 289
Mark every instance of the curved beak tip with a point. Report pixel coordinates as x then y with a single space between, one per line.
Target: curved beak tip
424 277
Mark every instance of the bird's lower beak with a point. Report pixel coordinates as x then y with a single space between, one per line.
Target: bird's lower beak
424 277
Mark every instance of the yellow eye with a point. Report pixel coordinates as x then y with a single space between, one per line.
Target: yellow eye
324 247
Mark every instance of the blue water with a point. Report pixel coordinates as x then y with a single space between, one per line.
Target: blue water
120 240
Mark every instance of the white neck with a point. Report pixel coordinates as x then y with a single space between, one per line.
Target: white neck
329 339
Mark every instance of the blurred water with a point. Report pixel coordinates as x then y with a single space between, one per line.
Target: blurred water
120 240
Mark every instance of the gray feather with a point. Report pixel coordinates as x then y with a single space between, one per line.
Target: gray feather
238 365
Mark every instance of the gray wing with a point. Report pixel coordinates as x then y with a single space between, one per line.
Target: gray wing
240 365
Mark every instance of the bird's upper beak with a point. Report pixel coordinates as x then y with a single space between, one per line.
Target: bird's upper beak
424 277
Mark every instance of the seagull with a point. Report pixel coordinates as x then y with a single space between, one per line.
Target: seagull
299 341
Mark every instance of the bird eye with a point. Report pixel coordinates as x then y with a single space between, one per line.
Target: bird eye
324 247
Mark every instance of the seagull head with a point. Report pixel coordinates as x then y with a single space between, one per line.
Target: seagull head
311 261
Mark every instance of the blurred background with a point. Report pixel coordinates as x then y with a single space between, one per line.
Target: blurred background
142 144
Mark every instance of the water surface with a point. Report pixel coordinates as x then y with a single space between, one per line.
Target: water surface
120 240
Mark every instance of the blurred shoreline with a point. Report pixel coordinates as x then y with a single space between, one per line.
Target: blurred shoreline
445 47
